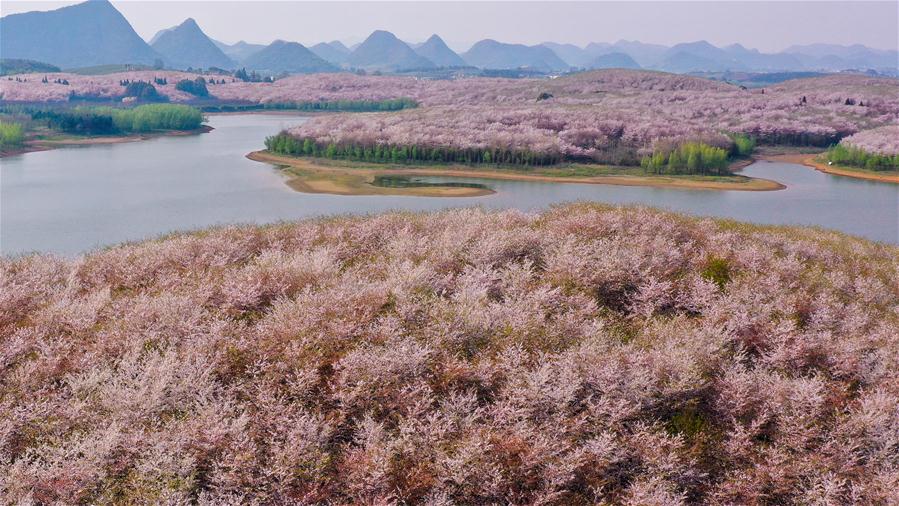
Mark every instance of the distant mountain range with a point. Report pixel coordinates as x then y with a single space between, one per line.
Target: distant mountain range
95 33
701 56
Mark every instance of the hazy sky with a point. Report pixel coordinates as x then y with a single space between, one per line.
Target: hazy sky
768 26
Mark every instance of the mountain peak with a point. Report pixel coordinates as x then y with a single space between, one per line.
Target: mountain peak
382 50
186 46
81 35
382 34
435 50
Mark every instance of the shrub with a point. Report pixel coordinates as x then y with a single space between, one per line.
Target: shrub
717 270
11 135
743 145
196 87
143 92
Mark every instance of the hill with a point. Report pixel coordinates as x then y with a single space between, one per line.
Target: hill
613 61
594 354
290 57
383 51
187 46
490 54
81 35
435 50
570 54
15 66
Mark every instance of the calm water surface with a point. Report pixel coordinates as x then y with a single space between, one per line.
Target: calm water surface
77 199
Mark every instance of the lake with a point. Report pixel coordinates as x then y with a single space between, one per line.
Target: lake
72 200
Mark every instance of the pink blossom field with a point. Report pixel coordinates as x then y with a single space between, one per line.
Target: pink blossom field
581 355
590 114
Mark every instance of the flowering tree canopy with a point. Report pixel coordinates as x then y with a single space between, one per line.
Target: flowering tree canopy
581 355
607 115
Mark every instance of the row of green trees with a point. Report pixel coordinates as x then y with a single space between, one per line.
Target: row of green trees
841 154
689 158
396 104
11 135
286 144
322 106
112 121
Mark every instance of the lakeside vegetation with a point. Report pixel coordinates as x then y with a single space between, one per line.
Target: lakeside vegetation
34 128
849 156
11 135
114 121
689 158
286 144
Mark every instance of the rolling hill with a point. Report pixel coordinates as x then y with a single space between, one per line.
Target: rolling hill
613 61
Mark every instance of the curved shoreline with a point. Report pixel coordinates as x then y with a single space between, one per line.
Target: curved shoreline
303 169
810 160
36 145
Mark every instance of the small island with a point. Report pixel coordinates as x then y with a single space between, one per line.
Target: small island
326 172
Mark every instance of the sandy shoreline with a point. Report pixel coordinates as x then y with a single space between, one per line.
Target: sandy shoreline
810 160
35 145
307 176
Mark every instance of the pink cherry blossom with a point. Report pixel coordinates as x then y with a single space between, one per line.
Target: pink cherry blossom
583 354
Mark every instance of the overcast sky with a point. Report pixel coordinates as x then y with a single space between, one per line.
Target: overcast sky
768 26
